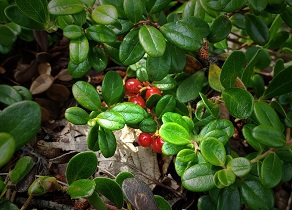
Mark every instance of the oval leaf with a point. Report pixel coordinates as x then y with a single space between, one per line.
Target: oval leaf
213 151
78 49
7 148
134 10
219 29
101 33
81 188
105 14
174 133
257 30
61 7
107 142
76 115
269 136
21 169
9 95
165 104
110 120
240 166
78 70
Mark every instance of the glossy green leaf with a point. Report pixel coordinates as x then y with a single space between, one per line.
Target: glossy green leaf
98 59
101 33
122 176
156 6
64 21
81 188
238 20
232 68
214 77
131 50
182 35
263 58
167 83
9 95
92 138
269 136
248 71
152 41
171 149
220 124
86 95
162 204
221 135
224 178
174 133
165 104
7 148
78 49
213 151
187 155
189 89
256 29
7 36
72 31
286 16
79 18
239 102
35 9
229 198
110 189
78 70
76 115
212 107
180 167
219 29
177 58
158 67
134 10
81 166
62 7
43 185
205 202
198 178
247 133
280 84
266 115
21 169
107 142
258 5
240 166
258 85
200 24
19 117
286 172
118 5
112 88
255 195
24 92
194 9
105 14
96 201
111 120
271 170
148 125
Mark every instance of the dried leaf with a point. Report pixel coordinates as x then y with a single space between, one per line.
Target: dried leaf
41 84
58 92
42 39
64 76
44 68
192 65
46 116
24 72
2 70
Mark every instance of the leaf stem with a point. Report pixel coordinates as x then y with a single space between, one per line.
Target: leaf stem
262 155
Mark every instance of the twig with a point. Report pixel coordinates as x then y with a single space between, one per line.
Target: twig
27 202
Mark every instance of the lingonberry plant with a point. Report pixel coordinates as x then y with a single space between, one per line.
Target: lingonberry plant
207 75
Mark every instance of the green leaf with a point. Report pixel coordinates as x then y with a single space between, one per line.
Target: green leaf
165 104
198 178
101 33
229 198
269 136
232 68
111 120
107 142
211 107
105 14
97 202
134 10
271 170
43 185
205 202
200 25
79 49
35 9
266 115
177 118
258 5
255 195
152 41
174 133
286 16
280 84
171 149
256 29
148 125
214 77
177 58
6 204
24 92
131 50
187 155
194 9
78 70
7 36
239 102
92 138
64 21
220 124
122 176
98 59
180 167
162 204
248 71
189 88
247 133
81 166
19 117
80 18
158 67
219 29
7 148
62 7
238 20
131 112
240 166
182 35
221 135
72 31
110 189
21 169
156 6
81 188
9 95
224 178
112 88
86 95
213 151
76 115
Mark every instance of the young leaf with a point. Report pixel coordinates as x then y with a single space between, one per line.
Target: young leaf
112 88
9 95
61 7
134 10
257 29
177 118
81 166
21 169
7 148
110 189
107 142
110 120
213 151
198 178
269 136
105 14
271 170
152 41
189 89
81 188
240 166
224 178
219 29
174 133
19 117
86 95
239 102
101 33
79 49
76 115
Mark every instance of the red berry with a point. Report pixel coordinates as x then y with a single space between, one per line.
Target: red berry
138 100
145 139
133 86
157 144
151 91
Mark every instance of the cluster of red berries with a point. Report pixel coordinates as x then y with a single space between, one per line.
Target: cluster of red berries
133 89
147 140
